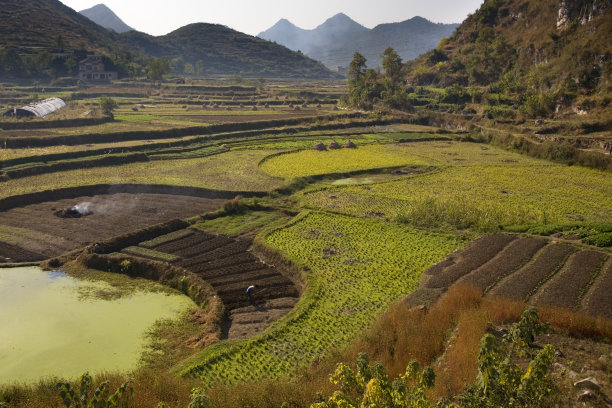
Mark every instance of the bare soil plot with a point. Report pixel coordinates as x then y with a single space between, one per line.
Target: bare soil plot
511 258
229 268
533 269
14 254
248 321
598 301
523 283
571 283
111 215
460 263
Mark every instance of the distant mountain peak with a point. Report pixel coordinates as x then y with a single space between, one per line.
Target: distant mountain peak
335 41
104 16
341 21
340 16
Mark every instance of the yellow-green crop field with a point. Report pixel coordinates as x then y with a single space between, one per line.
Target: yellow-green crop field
235 171
312 162
476 188
359 266
8 154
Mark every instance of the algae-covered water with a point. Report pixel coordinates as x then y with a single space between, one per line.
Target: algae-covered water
48 328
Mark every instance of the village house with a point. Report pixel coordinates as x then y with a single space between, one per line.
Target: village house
92 69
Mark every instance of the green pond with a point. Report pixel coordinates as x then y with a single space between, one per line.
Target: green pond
53 325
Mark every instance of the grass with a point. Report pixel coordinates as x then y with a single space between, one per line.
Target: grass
150 254
469 193
17 236
352 281
122 285
166 238
235 171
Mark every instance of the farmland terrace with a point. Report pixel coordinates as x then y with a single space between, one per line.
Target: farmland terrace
49 228
229 267
537 270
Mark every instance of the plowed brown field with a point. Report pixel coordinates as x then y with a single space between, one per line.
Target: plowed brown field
226 264
536 270
524 282
33 233
568 286
599 300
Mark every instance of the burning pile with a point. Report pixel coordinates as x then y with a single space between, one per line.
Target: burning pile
77 211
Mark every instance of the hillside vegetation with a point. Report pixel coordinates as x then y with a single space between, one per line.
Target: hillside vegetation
542 55
46 38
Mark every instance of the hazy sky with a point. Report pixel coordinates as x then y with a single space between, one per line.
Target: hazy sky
159 17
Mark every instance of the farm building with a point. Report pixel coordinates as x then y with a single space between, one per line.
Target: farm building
39 109
92 69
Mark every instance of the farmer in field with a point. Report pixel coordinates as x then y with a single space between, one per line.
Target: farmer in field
249 292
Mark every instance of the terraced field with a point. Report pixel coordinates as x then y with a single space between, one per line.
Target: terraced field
227 265
312 162
358 267
34 232
477 187
235 170
536 270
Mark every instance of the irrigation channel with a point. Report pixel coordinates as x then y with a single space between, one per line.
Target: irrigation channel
54 325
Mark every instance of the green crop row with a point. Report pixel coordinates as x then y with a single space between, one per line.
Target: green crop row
167 238
150 254
358 267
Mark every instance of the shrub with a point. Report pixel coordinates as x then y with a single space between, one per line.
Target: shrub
601 240
108 105
234 206
101 398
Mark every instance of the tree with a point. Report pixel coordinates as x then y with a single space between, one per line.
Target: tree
357 67
60 43
199 67
158 68
108 105
392 64
361 83
11 62
500 381
178 65
188 70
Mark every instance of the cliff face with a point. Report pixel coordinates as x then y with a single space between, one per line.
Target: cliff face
580 10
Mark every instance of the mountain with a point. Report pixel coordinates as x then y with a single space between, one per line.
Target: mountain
30 27
543 45
336 40
286 33
102 15
223 50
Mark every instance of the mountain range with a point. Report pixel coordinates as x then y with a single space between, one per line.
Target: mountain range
29 27
102 15
336 40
